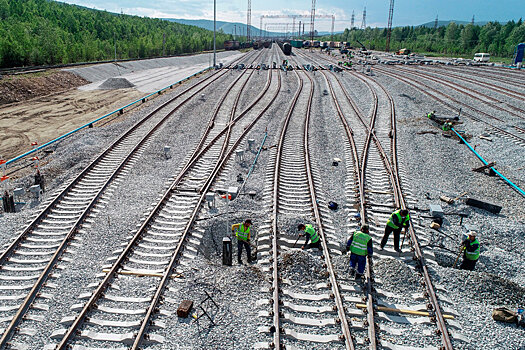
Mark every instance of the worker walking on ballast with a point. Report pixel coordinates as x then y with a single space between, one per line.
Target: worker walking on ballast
311 235
242 232
360 246
470 252
397 221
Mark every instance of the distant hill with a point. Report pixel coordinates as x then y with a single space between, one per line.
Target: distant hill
446 23
227 27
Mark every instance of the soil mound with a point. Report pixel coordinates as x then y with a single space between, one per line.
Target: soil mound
17 88
116 83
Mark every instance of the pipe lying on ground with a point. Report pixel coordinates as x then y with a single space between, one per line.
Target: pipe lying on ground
486 163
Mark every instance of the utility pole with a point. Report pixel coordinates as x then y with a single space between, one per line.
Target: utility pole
235 31
472 22
214 33
299 34
352 20
436 22
248 21
389 30
115 41
363 23
312 26
333 21
260 29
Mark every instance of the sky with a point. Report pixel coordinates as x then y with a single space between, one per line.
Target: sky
406 12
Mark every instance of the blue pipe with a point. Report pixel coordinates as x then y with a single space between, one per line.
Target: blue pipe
98 119
255 160
486 163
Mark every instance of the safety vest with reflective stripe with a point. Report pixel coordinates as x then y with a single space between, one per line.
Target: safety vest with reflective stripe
475 254
242 232
359 244
402 222
314 237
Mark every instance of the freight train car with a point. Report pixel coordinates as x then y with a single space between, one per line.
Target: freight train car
231 45
297 43
287 48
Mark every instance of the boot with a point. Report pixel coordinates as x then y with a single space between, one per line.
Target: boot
358 277
352 272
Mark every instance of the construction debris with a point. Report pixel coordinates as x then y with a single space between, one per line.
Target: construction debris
493 208
184 308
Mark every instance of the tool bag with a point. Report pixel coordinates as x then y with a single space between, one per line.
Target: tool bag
504 315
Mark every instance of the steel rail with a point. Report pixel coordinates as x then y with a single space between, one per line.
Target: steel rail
464 90
173 260
333 279
502 90
58 197
120 260
442 326
47 270
412 82
275 244
400 201
492 74
360 172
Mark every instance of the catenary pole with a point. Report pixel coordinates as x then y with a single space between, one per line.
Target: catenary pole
214 32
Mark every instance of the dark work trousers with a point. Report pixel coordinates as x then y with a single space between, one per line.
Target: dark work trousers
313 245
360 261
468 264
397 233
240 244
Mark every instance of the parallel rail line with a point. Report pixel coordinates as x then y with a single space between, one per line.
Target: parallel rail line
68 210
158 223
392 169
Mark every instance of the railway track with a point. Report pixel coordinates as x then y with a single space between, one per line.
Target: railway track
377 170
425 89
296 310
117 314
473 94
497 88
502 76
33 255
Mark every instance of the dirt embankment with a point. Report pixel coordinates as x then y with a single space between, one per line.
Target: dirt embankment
16 88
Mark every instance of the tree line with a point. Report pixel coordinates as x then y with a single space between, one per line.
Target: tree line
454 39
43 32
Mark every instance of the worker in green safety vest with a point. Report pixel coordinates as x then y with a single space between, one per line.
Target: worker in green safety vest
360 246
447 126
431 115
311 236
470 252
242 232
397 221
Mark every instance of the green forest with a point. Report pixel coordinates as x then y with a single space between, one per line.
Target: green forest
495 38
43 32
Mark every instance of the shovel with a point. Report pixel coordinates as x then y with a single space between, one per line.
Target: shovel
457 258
296 241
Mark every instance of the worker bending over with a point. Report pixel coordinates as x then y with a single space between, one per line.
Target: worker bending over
242 232
470 252
397 221
360 245
311 235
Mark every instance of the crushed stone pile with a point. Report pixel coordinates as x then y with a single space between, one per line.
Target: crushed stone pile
298 265
490 288
396 276
115 83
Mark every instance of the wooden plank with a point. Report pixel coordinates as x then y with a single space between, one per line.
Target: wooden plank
403 311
